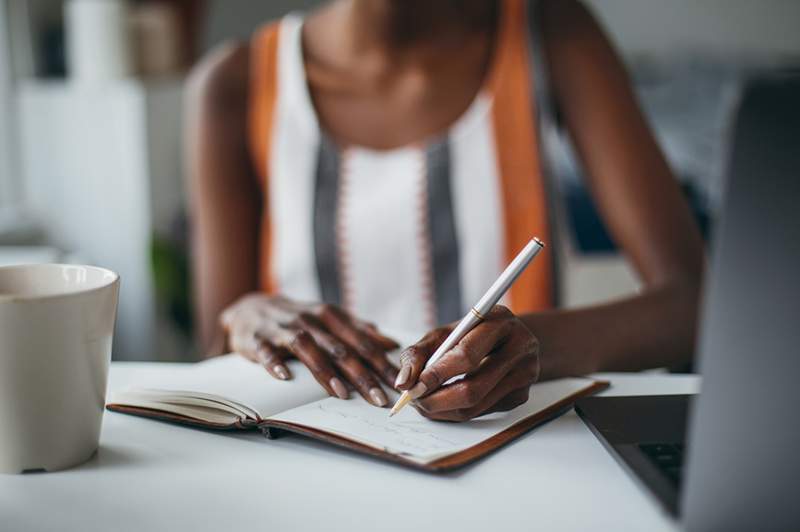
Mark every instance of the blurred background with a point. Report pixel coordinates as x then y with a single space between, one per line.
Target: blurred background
91 97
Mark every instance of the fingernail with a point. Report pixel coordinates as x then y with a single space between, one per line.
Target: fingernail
378 397
339 388
417 390
402 377
281 371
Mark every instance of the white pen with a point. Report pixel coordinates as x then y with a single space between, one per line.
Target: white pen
476 314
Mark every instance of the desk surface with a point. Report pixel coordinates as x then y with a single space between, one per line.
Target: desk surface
149 475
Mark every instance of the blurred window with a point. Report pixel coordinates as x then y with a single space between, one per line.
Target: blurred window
7 122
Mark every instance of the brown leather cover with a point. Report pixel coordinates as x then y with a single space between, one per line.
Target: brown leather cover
449 462
273 429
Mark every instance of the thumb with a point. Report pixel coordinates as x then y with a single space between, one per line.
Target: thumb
412 360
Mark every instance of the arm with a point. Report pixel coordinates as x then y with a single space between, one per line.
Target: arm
224 196
226 211
640 203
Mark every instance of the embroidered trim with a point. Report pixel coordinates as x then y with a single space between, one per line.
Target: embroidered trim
346 284
424 244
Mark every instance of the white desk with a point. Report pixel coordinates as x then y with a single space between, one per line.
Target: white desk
151 476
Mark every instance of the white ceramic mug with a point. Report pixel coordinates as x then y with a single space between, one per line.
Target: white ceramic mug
56 329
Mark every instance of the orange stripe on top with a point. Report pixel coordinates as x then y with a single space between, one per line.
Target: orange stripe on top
516 138
263 96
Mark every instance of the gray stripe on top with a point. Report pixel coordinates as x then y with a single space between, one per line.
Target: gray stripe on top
326 193
444 241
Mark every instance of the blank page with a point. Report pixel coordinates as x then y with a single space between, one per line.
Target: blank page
235 378
415 437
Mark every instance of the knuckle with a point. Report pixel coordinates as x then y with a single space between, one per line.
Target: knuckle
522 340
268 357
301 339
389 372
529 344
456 363
500 311
252 299
435 377
261 335
380 365
411 356
244 344
407 358
340 352
471 393
362 382
323 309
463 357
367 349
526 372
533 371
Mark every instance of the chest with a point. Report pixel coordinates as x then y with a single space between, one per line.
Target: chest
400 229
403 108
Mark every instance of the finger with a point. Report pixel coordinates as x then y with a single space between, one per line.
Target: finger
309 353
340 325
520 378
273 358
369 329
346 360
466 355
226 319
509 402
412 360
386 343
244 343
472 389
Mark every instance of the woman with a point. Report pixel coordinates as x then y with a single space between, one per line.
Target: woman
378 160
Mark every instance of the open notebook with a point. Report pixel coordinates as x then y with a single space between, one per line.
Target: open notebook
230 392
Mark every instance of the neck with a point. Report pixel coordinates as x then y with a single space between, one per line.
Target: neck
399 27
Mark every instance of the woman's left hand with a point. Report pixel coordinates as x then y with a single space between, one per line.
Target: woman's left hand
500 358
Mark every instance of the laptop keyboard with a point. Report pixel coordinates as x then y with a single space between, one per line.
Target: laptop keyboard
668 457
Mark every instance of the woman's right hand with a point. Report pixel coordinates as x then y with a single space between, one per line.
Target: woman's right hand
330 342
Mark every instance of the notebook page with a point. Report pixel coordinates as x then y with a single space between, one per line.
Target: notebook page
235 378
413 436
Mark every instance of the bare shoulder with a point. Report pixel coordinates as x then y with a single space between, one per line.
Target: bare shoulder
578 49
567 20
221 79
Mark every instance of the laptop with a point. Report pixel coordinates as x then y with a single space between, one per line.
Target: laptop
729 457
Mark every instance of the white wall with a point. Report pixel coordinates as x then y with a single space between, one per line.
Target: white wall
102 170
734 26
7 189
236 19
770 27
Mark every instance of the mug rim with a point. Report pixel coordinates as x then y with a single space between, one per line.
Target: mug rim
6 298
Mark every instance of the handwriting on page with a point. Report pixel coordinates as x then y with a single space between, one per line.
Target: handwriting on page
409 433
406 436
